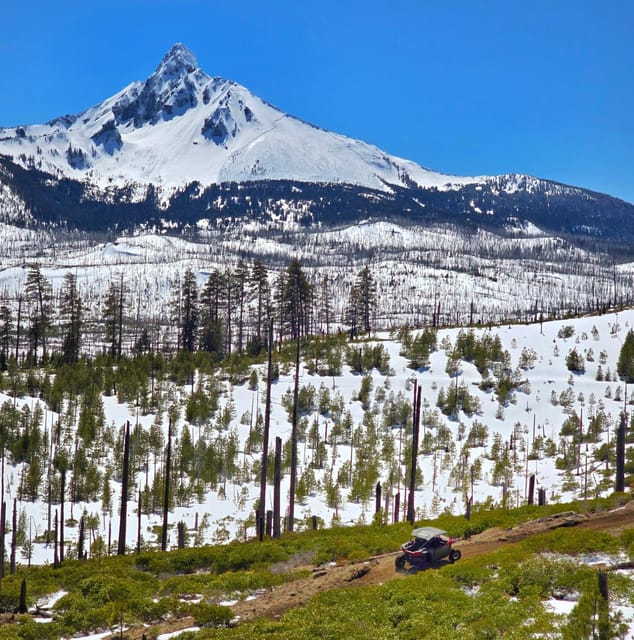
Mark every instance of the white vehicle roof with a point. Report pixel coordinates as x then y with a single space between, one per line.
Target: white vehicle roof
427 532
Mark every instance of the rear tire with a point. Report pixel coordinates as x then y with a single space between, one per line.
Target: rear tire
454 555
400 561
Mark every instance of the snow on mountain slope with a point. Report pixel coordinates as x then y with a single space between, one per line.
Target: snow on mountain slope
534 416
181 125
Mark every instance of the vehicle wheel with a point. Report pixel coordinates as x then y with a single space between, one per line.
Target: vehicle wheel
454 555
400 561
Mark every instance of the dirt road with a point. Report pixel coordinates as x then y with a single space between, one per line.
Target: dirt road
375 571
379 570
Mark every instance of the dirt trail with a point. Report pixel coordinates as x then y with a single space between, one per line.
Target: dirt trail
379 570
275 602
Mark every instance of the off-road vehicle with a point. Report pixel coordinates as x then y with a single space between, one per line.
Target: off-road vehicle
427 546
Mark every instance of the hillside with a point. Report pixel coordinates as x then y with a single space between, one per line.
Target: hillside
532 571
422 273
499 405
482 434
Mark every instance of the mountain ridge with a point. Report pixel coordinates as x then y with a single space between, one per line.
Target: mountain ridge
181 125
183 148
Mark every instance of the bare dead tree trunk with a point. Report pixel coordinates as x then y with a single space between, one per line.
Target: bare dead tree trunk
138 526
265 440
181 534
3 518
277 501
62 491
55 554
412 477
14 536
22 604
49 496
291 497
80 539
18 330
619 483
377 498
166 497
123 511
120 318
531 489
603 585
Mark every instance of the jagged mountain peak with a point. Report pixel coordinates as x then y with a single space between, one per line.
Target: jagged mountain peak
178 66
181 126
178 59
173 88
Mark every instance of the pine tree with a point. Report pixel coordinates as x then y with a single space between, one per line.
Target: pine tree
39 296
296 296
575 362
166 486
188 312
240 285
325 304
6 327
625 364
353 312
72 315
261 293
113 309
212 336
361 303
366 290
123 512
228 314
294 437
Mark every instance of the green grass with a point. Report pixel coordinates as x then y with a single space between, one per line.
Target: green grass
497 595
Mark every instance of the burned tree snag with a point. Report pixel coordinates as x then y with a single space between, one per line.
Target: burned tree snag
123 512
260 524
166 499
412 477
293 482
277 499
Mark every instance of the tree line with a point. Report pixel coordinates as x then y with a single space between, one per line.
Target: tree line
227 313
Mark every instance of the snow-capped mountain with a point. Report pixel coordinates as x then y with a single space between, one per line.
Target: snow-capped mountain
181 126
185 150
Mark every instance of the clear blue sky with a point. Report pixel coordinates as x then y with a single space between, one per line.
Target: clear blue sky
544 87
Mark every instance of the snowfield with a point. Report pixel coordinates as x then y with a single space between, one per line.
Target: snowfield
419 270
533 417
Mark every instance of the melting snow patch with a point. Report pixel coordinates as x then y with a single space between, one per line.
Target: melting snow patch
96 636
251 597
228 603
562 607
191 598
174 634
590 559
49 601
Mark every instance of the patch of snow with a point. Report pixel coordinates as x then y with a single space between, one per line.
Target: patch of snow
175 634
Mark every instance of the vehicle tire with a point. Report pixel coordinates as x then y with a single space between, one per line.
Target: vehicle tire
454 555
400 561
